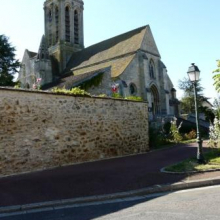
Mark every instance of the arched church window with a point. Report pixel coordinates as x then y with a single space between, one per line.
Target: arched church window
76 27
50 17
133 89
152 70
173 93
155 100
57 24
67 23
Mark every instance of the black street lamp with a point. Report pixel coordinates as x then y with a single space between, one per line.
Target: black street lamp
194 74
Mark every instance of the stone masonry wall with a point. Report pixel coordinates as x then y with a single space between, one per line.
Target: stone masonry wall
42 130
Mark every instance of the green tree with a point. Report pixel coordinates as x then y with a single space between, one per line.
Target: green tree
216 77
8 64
187 102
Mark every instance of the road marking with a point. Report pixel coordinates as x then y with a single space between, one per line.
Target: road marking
128 199
197 189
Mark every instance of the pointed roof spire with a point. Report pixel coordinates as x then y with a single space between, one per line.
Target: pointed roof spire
43 49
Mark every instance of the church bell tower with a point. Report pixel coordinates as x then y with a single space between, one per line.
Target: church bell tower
63 29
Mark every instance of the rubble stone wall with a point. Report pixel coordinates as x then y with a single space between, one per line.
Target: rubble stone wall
41 130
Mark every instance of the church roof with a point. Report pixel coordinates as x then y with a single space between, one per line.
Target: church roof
43 49
31 54
117 66
75 80
116 52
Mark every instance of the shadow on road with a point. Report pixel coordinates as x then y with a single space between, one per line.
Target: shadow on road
89 179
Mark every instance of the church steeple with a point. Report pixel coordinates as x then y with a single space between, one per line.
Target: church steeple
64 28
43 49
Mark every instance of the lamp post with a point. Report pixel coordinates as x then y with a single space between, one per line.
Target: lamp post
194 74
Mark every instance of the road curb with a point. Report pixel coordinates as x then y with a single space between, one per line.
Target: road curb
91 199
163 170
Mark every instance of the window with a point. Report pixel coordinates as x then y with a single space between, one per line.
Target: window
155 100
152 70
67 23
50 38
50 15
133 89
57 24
76 27
50 18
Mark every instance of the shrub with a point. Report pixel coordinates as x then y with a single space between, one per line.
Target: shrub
135 98
166 127
102 95
214 134
191 135
157 138
174 131
73 91
186 128
116 95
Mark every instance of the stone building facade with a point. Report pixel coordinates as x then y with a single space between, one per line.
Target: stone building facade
131 61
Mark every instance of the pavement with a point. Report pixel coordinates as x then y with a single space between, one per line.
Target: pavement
101 180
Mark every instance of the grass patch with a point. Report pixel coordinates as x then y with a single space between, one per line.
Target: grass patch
212 158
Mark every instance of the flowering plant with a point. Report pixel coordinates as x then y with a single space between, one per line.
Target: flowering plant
174 131
115 88
37 85
214 133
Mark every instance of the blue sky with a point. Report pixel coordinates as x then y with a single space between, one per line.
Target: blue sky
185 31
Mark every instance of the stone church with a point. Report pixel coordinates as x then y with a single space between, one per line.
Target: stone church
131 61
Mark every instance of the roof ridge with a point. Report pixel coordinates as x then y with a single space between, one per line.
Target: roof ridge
119 35
31 53
108 48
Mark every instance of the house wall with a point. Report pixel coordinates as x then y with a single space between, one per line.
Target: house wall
43 70
132 76
26 73
33 68
41 130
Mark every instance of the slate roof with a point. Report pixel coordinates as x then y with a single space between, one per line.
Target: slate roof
117 66
73 81
31 54
116 52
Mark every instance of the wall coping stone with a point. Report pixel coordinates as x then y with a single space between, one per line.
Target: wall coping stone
47 92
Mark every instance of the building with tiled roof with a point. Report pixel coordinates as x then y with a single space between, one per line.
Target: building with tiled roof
129 64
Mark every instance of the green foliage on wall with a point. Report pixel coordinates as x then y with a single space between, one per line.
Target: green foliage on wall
95 81
135 98
73 91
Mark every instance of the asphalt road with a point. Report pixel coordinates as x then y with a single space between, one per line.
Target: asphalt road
198 204
96 178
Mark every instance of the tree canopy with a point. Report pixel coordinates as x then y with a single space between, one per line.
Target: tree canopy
216 77
8 64
187 102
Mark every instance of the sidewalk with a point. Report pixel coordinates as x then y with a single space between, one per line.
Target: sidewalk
99 178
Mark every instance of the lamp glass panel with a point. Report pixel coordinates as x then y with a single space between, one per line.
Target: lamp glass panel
197 75
194 76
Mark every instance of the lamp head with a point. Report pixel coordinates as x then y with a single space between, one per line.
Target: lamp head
193 73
